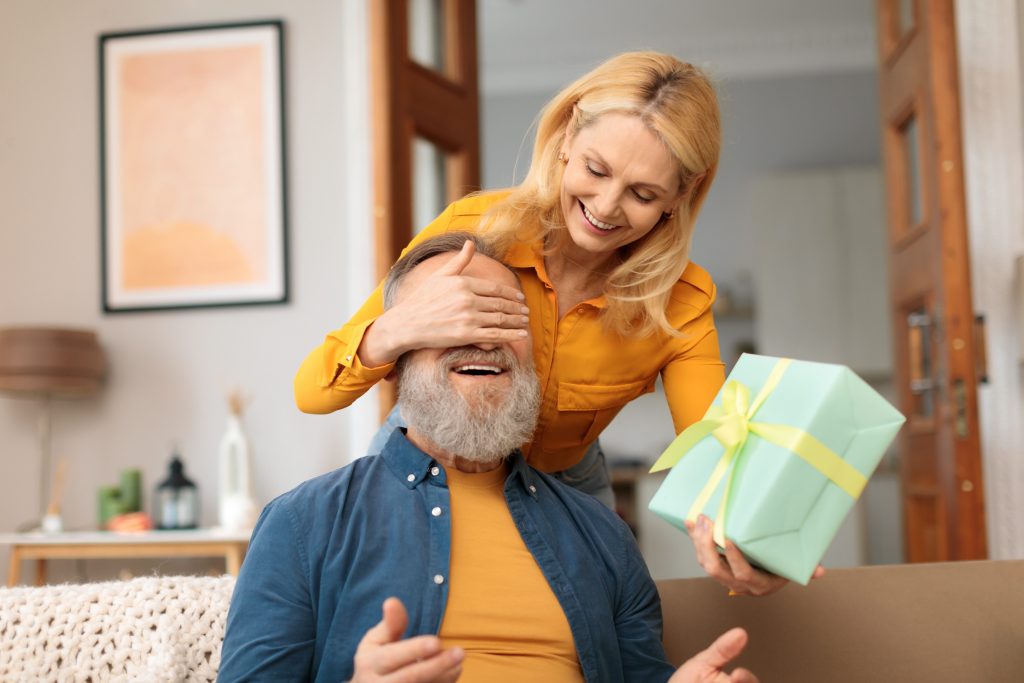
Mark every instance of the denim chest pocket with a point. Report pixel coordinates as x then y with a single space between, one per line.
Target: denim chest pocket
584 410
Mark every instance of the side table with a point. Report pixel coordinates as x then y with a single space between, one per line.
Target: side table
81 545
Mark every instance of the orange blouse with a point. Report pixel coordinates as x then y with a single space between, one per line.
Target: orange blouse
587 373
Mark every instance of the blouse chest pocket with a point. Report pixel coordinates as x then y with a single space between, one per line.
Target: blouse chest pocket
584 410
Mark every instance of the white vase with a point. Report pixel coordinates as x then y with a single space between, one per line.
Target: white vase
237 508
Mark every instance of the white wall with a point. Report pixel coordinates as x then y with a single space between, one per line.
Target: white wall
170 371
989 46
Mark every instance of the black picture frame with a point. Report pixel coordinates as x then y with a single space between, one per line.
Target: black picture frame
193 181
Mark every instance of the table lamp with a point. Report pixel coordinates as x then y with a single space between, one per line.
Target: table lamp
46 363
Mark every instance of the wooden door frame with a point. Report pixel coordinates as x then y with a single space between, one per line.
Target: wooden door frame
410 100
930 267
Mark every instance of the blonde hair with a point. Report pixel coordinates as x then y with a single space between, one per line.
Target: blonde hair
678 104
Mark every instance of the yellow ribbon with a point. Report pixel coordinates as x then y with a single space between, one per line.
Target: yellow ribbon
731 424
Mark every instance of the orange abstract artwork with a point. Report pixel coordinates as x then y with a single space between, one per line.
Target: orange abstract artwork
193 198
191 177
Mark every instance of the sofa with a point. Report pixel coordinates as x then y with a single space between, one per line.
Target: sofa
151 630
961 622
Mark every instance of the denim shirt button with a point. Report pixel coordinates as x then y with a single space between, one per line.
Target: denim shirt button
438 579
411 477
435 470
533 489
436 512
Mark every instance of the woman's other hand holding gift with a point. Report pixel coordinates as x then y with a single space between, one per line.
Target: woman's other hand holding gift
732 569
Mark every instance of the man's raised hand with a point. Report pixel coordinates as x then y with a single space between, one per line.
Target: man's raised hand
709 666
382 655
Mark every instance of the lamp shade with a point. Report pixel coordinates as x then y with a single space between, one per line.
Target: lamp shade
50 361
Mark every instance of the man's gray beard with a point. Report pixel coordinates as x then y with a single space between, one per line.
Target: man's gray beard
485 430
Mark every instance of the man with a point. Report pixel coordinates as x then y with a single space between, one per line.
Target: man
506 573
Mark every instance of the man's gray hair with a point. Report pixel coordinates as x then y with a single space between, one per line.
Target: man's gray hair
448 243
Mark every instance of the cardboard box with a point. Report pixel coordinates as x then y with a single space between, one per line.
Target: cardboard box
960 622
779 460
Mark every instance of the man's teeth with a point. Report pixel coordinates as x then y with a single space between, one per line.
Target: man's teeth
596 223
479 370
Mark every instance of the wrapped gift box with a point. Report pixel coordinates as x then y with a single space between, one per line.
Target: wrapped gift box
778 460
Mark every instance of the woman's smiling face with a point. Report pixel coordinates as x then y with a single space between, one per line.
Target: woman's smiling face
618 181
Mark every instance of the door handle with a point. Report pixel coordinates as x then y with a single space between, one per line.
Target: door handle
919 334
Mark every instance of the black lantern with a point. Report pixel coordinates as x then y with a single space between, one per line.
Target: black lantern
177 499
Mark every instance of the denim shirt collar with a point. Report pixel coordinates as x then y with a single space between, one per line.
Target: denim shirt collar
412 466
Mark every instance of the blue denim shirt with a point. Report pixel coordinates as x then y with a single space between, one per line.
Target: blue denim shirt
324 556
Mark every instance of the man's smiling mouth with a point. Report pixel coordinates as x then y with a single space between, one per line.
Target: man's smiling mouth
479 370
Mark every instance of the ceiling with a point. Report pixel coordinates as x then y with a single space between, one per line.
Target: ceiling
539 45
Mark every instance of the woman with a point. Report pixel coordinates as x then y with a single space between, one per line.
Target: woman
599 233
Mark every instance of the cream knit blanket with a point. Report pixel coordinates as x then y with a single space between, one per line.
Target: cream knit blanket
150 629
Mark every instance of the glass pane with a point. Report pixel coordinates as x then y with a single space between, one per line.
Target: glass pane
426 33
906 15
428 182
912 163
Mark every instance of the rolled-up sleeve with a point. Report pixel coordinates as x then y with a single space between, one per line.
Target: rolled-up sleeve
332 376
695 373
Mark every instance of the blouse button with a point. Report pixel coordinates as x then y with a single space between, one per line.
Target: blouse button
348 357
411 477
436 512
438 579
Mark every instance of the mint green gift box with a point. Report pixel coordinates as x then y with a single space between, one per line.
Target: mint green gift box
778 460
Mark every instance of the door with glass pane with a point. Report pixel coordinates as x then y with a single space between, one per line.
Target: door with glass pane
426 148
930 295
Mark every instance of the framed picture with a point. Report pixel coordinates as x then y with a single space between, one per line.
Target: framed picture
192 172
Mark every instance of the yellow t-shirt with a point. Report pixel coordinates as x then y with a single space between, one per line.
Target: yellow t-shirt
587 374
500 608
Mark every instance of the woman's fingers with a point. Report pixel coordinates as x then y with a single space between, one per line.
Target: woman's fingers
496 290
448 309
730 569
506 320
748 579
707 555
461 260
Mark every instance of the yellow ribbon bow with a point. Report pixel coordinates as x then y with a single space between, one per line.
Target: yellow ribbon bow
732 424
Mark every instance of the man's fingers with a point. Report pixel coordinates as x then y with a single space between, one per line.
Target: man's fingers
742 676
728 646
395 619
391 626
461 260
394 656
444 666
